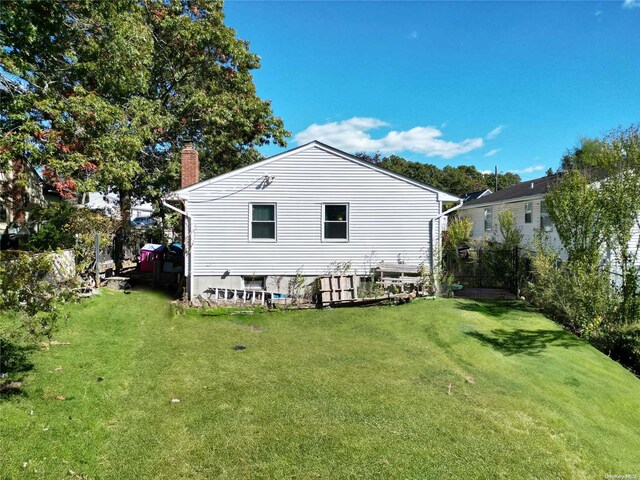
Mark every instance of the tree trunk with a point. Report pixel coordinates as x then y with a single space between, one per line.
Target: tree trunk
123 237
19 191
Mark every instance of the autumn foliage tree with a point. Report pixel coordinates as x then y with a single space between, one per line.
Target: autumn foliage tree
103 94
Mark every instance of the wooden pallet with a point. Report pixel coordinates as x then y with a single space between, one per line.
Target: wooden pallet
337 288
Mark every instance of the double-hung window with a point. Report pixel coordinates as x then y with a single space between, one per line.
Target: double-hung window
528 212
488 219
263 221
545 220
335 221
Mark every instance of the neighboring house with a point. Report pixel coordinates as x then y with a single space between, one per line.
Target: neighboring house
474 195
526 201
110 204
466 198
16 197
301 214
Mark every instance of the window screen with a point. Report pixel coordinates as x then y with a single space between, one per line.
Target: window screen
336 222
263 221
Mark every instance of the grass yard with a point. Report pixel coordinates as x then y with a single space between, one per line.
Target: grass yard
319 394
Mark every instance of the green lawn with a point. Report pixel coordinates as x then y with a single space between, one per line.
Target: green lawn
319 394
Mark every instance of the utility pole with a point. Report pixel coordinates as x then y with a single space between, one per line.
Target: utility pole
496 178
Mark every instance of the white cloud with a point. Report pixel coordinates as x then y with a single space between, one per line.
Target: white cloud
352 136
495 132
487 172
491 153
631 3
413 35
598 13
531 169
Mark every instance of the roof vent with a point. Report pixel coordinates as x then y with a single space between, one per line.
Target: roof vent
531 184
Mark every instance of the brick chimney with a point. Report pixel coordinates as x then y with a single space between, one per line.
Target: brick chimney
190 173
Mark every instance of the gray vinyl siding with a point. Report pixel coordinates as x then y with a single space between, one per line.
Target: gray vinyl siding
388 218
476 215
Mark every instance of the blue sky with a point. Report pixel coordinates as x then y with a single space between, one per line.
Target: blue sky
512 84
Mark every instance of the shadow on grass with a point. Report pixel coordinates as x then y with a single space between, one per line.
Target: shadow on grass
495 308
525 342
14 356
11 388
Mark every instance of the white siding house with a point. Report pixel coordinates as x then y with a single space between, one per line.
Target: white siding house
34 194
301 213
525 201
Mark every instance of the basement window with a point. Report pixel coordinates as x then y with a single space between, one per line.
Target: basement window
528 212
488 219
253 283
335 225
263 221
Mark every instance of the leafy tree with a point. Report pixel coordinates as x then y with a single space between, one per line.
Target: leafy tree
505 180
576 209
29 303
509 230
596 204
457 180
104 100
619 191
64 226
458 234
582 156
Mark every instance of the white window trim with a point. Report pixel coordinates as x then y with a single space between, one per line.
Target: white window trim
335 240
484 219
530 212
275 221
548 228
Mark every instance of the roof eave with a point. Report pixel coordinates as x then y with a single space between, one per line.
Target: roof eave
507 200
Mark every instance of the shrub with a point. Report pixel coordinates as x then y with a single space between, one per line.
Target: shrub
511 233
458 234
63 226
583 299
580 299
29 300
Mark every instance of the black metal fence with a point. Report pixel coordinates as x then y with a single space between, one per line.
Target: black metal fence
494 266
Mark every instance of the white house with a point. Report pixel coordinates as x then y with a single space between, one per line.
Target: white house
526 201
110 204
302 213
16 198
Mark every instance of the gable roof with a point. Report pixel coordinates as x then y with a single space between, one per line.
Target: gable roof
538 186
473 195
442 195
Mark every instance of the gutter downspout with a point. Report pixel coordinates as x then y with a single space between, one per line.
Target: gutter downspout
436 280
188 246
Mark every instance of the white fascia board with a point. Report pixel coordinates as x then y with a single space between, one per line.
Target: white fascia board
504 202
447 197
